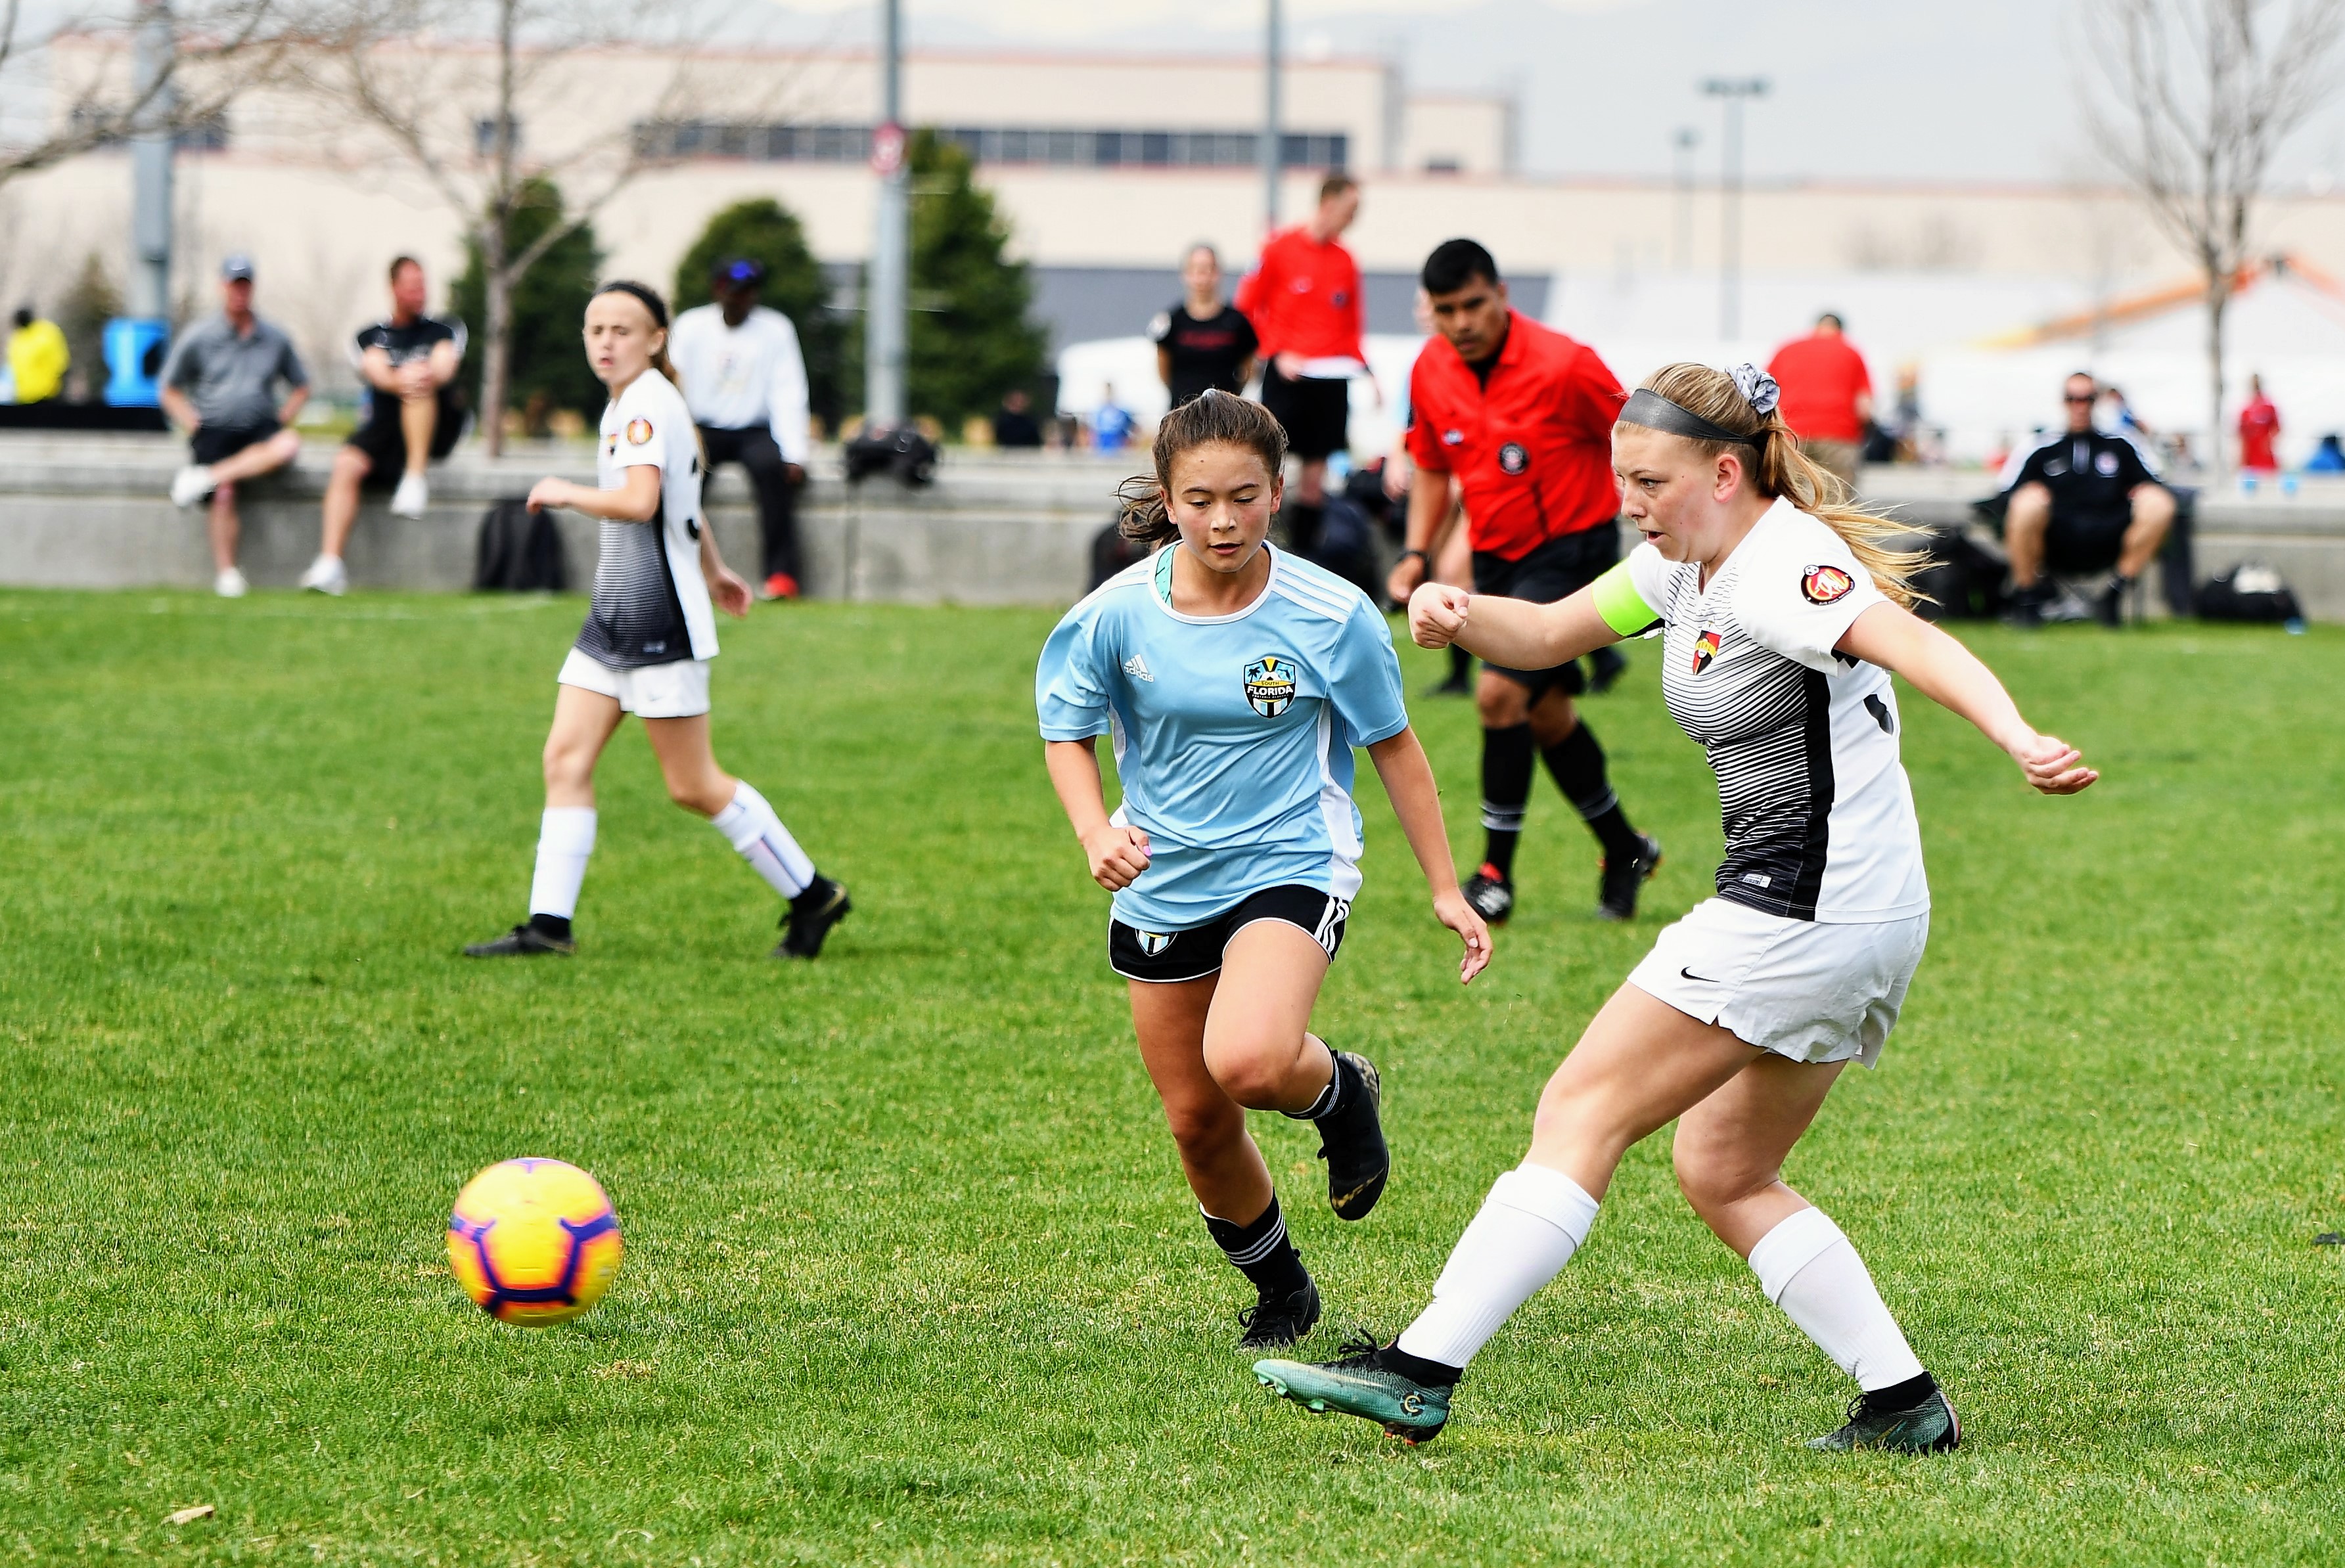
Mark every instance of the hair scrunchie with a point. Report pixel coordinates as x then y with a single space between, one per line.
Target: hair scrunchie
1757 387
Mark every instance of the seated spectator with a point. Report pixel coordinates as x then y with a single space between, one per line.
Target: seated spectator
2081 501
745 380
1827 395
236 429
1013 424
1112 422
37 358
2327 457
415 414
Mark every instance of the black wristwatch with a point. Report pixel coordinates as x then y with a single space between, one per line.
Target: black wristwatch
1406 553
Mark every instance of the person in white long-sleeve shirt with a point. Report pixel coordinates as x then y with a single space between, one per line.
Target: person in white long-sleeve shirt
744 382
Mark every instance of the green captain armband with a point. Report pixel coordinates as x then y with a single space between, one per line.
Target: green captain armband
1623 608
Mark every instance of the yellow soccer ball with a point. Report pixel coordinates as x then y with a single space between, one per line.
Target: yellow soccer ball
534 1241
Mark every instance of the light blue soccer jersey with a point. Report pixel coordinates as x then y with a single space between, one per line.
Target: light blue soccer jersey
1233 733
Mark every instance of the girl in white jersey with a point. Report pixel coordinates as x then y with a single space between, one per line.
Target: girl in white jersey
648 641
1786 611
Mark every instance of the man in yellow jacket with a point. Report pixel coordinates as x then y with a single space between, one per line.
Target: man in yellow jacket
37 358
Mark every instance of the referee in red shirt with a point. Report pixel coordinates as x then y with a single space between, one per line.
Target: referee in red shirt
1522 417
1303 300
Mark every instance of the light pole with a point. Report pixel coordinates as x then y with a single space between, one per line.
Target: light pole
1270 136
1733 91
886 290
1683 140
150 162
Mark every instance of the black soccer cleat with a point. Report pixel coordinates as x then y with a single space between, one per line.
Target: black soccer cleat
523 941
1275 1322
1930 1427
812 915
1491 893
1352 1142
1617 886
2024 607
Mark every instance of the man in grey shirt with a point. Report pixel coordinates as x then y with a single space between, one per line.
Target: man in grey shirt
220 383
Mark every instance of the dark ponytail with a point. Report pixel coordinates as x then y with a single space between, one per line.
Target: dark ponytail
1217 416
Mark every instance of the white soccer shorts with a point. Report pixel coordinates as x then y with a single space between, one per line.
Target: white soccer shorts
672 691
1801 988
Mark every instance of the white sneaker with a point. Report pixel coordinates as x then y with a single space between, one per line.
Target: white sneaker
327 575
191 484
230 583
409 499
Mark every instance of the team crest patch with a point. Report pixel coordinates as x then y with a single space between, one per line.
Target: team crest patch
1822 584
638 431
1269 684
1705 649
1513 459
1154 943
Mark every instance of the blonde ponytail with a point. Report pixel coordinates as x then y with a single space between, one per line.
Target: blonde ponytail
1780 468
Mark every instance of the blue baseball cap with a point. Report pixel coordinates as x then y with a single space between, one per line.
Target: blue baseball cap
238 266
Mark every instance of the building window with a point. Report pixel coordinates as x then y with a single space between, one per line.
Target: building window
1006 145
485 134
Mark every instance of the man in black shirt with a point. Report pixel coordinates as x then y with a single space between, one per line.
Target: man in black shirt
415 412
2082 500
1013 424
1202 342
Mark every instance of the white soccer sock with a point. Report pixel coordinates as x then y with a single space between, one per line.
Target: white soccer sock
1533 1221
750 827
1808 1268
565 837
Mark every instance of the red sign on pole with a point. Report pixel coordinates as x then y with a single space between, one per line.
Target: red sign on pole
887 149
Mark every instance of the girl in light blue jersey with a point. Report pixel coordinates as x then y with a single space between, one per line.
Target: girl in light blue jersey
1235 680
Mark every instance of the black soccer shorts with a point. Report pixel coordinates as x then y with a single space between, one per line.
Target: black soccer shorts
1169 957
1548 573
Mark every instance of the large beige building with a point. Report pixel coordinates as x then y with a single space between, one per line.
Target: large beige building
1105 168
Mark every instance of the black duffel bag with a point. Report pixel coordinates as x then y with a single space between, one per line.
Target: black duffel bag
2249 591
520 551
903 451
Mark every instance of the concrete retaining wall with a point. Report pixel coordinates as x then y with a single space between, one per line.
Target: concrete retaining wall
91 511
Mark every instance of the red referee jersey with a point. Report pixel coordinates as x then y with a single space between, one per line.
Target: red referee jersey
1304 298
1533 449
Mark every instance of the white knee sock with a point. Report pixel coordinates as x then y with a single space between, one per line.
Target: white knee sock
565 837
1808 1268
1533 1221
750 827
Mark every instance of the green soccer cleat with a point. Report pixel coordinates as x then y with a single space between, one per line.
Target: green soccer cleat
1357 1384
1930 1427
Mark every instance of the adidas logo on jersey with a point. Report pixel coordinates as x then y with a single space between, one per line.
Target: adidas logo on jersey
1137 668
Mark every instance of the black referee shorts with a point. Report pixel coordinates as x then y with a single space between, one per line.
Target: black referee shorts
1317 413
1554 570
1169 957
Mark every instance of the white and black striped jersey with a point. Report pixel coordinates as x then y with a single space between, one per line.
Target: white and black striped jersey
1819 818
650 603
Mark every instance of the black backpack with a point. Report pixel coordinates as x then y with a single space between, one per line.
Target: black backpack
910 456
2249 591
520 551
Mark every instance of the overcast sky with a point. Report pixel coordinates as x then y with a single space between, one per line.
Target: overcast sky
1861 88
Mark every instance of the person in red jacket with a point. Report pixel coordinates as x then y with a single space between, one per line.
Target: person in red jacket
1521 417
1827 395
1303 300
2258 429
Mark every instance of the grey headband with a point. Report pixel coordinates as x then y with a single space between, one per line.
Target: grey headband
1656 412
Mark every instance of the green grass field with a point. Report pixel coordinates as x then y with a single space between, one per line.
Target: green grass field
911 1274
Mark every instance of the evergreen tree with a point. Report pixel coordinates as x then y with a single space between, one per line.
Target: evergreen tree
549 368
969 338
764 230
88 305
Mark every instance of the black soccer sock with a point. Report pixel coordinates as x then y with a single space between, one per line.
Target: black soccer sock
1577 762
1341 1085
1507 766
1461 664
1260 1251
1417 1369
555 925
1903 1396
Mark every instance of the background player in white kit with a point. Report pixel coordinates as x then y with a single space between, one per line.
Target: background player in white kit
1786 613
648 641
